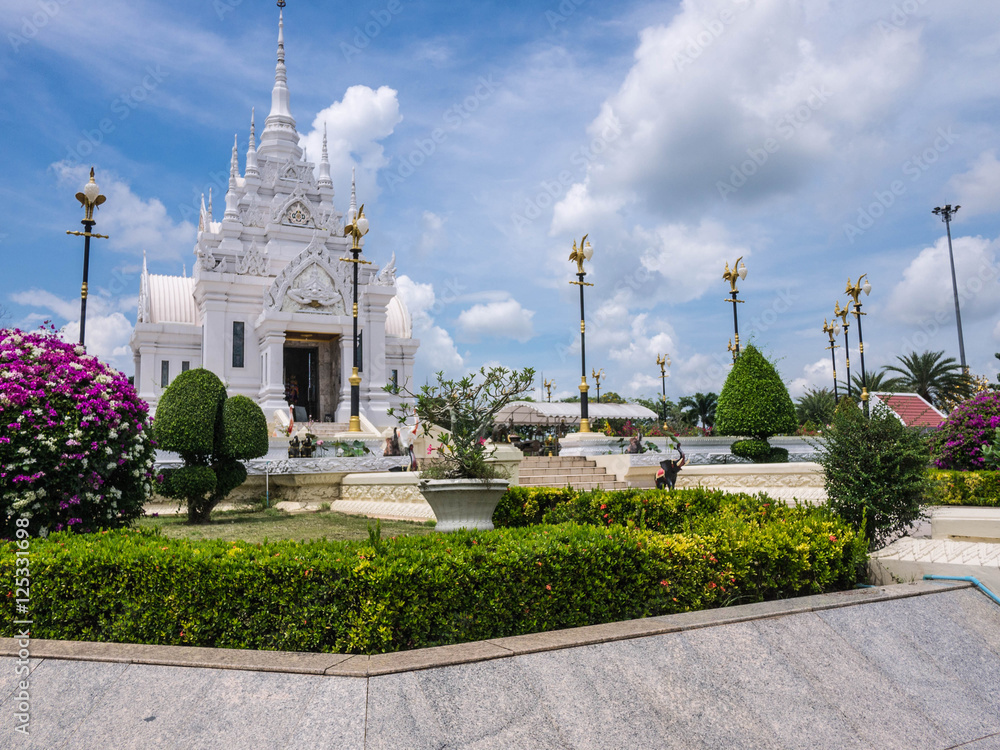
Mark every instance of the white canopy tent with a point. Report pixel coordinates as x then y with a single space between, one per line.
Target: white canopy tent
546 413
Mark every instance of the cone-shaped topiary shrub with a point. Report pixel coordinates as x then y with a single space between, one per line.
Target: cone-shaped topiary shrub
755 404
213 435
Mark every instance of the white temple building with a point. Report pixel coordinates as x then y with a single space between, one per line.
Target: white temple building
269 305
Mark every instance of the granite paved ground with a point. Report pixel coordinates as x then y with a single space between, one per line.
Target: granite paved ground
911 666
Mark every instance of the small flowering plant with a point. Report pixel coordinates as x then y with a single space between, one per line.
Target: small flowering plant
75 451
958 443
467 409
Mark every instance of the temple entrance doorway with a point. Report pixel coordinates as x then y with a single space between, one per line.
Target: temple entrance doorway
312 375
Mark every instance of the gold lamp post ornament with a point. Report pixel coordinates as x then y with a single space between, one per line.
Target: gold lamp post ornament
842 313
738 271
580 254
90 198
855 292
663 360
831 329
549 385
356 229
597 375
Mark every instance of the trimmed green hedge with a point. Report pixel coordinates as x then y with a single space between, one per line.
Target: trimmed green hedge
967 487
352 597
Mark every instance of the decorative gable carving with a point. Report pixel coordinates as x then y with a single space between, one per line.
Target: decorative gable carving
254 262
315 282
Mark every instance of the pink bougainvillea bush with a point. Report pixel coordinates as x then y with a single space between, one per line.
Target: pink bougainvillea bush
75 451
959 441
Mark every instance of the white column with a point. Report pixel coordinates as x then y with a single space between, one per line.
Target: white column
346 365
272 391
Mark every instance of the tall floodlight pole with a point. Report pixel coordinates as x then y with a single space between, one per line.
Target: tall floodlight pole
739 271
830 329
356 228
663 360
597 375
90 198
842 313
855 292
946 213
585 252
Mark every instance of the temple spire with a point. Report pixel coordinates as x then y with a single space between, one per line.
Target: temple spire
324 180
211 214
232 199
252 170
202 224
280 137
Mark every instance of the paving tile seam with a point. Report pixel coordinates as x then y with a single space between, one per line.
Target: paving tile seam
970 742
605 633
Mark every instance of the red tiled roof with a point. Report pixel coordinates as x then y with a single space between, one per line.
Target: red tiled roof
912 409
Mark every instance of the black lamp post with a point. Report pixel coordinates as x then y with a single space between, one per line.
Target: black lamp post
739 271
946 213
855 292
90 198
842 314
356 229
831 330
585 252
663 360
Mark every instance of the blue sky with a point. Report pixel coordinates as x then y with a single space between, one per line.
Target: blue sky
811 138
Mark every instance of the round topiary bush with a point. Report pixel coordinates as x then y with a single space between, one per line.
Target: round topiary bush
754 403
75 451
754 450
959 441
212 434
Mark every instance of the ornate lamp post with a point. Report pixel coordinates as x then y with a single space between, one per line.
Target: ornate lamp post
946 213
855 292
356 229
731 276
549 385
831 331
663 360
597 375
842 314
585 252
90 198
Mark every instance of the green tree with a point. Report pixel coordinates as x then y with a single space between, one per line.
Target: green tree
929 374
212 434
700 408
875 471
755 404
816 406
878 382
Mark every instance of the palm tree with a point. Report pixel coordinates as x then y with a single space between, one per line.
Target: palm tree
700 408
816 406
937 380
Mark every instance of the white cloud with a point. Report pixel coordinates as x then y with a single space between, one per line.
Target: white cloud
978 190
437 348
433 237
355 126
580 209
762 87
687 257
503 319
925 292
816 375
132 223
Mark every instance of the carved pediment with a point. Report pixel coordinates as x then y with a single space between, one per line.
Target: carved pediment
316 281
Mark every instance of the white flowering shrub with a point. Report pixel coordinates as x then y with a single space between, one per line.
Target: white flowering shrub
75 447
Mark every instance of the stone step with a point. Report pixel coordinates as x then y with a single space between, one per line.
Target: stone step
324 429
564 479
552 461
538 471
584 486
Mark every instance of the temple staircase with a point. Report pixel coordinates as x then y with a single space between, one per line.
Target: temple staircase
578 472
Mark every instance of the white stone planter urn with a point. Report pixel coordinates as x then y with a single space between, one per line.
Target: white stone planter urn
463 503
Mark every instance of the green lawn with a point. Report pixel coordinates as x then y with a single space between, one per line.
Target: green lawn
272 524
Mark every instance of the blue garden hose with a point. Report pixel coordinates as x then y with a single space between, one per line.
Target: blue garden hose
966 579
